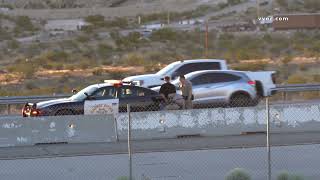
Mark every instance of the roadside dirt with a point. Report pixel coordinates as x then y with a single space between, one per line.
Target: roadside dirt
16 78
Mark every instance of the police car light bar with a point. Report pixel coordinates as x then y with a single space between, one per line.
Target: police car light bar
113 81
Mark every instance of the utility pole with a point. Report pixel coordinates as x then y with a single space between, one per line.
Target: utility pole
142 7
258 8
258 14
168 17
206 39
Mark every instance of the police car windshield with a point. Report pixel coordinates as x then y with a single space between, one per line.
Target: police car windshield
81 96
165 71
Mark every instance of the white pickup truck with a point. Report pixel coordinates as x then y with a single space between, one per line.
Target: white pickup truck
265 80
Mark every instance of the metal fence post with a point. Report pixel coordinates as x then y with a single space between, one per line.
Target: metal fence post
116 128
268 137
129 142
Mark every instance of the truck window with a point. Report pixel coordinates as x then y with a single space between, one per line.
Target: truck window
191 67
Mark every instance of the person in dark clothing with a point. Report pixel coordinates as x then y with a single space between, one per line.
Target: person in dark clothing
167 88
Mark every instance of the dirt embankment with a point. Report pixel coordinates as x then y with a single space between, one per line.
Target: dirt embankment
16 78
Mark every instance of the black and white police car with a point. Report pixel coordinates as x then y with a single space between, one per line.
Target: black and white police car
100 95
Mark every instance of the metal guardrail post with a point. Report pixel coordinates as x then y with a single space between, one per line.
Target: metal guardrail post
9 109
268 137
129 142
284 96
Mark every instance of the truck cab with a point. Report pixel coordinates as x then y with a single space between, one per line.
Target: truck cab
176 69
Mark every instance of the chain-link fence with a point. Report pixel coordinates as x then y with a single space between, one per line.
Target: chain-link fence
278 140
274 138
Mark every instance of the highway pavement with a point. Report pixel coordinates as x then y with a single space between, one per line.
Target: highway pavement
160 145
203 158
176 165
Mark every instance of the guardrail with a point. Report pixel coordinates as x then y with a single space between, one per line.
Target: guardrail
14 100
29 99
297 87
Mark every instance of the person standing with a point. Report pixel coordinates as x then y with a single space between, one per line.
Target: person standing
167 88
186 89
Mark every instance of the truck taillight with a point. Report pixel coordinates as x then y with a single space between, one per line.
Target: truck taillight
252 83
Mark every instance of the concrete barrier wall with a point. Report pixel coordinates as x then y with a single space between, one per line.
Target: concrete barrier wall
18 131
295 117
220 121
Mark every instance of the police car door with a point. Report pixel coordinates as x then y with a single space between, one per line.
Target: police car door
102 101
135 96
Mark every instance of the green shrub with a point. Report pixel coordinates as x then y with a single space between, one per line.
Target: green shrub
133 59
316 78
95 20
104 50
9 6
71 67
107 62
117 75
296 176
120 22
222 5
88 29
24 23
132 40
251 66
13 44
284 175
4 34
313 5
283 3
123 178
84 64
238 174
164 34
83 38
286 60
27 69
98 72
297 79
54 57
30 85
234 2
69 44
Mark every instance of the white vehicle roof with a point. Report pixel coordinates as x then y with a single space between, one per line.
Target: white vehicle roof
200 60
210 71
